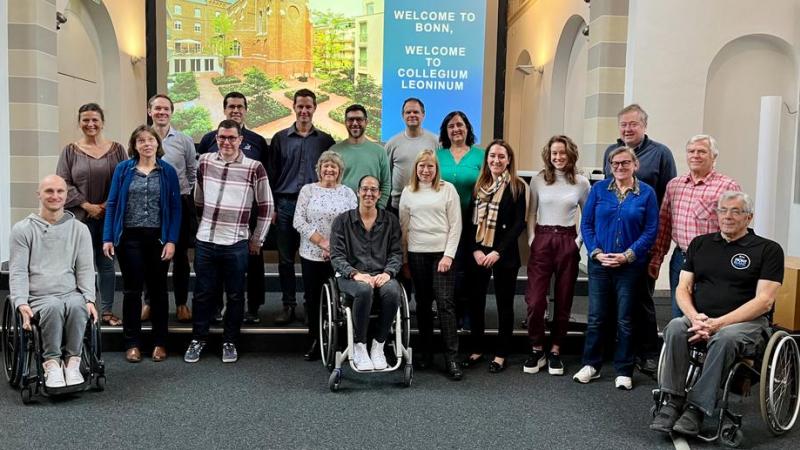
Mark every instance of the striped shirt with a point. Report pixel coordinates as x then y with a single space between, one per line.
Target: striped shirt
689 210
224 196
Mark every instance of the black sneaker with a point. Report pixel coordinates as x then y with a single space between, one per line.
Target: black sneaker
690 422
535 361
647 366
251 318
554 364
286 316
192 354
667 415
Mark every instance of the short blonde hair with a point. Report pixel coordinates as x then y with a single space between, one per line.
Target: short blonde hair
331 157
425 155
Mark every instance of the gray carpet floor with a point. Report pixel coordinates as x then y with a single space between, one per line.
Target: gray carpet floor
278 400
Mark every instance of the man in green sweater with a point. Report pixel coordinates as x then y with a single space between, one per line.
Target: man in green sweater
361 156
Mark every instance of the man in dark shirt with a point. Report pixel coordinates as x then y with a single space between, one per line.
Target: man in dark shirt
366 255
656 168
727 287
293 156
255 147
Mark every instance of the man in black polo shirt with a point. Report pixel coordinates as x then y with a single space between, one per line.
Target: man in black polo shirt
727 287
255 147
294 152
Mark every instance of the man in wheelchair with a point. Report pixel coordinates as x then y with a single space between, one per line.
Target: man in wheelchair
726 290
366 255
51 276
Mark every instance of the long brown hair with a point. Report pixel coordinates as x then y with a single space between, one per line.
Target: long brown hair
549 170
485 179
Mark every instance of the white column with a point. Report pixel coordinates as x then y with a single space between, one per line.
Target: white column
5 141
769 137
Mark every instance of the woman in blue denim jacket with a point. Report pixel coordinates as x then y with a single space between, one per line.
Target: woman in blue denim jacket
619 226
143 219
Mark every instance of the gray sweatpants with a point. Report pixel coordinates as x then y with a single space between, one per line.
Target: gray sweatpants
61 318
723 349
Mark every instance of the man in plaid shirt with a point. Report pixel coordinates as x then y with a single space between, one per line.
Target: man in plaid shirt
228 183
689 208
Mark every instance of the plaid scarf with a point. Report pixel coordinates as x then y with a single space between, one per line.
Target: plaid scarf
486 206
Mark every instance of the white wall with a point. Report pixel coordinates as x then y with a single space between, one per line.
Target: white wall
5 141
669 64
530 102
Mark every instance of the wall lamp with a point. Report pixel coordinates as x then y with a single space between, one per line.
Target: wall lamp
136 60
528 69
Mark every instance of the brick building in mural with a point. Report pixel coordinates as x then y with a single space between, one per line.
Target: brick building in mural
272 35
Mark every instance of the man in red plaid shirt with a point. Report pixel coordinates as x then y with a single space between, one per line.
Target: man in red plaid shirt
689 208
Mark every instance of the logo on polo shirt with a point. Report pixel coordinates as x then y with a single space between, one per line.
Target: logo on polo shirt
740 261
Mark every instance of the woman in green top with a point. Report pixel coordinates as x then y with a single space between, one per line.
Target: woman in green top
460 163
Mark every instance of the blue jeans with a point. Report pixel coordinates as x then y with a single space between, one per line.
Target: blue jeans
675 266
288 242
610 289
106 275
216 266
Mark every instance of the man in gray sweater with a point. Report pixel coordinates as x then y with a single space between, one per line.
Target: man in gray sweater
51 274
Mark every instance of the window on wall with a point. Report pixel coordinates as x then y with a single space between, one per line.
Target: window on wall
178 10
362 32
260 23
209 62
196 65
197 12
178 25
180 65
196 27
197 48
370 8
237 48
362 57
217 14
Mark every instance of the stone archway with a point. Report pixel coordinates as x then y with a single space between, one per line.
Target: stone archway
569 80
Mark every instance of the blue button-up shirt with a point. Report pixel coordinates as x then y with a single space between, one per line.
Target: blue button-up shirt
293 159
613 226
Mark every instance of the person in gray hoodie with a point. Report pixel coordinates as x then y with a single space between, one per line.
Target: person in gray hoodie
51 273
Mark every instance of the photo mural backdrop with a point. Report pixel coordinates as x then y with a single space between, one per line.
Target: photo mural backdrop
372 52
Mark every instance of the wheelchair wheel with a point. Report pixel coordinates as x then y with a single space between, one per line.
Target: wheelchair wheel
660 367
14 348
408 375
780 383
405 317
731 436
328 330
26 394
335 380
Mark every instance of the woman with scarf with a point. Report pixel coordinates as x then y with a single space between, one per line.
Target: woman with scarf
498 218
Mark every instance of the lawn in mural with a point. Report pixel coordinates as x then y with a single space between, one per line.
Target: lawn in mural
268 49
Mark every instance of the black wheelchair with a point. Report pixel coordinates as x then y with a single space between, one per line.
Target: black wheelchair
22 357
336 335
776 368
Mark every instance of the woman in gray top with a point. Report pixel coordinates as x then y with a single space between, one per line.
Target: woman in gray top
87 166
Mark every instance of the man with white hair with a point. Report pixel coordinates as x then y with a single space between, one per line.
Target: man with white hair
727 288
689 208
51 274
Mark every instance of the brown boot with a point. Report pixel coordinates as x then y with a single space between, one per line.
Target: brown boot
133 355
159 353
184 314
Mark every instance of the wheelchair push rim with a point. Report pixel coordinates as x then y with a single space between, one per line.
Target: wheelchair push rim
780 383
327 326
13 344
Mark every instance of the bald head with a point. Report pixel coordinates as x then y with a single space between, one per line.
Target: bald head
52 194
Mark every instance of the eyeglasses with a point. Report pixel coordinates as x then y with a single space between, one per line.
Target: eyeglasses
355 119
735 212
368 190
626 163
227 138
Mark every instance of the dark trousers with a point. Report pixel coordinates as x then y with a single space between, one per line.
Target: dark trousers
645 328
553 253
255 283
180 262
461 269
611 289
218 267
315 274
362 293
288 242
505 279
139 254
431 284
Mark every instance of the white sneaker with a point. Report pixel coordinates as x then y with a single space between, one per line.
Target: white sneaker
53 374
72 371
377 356
624 383
361 358
586 374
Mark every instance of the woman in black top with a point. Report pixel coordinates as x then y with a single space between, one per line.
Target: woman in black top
498 218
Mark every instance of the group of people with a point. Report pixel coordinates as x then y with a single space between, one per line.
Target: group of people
436 213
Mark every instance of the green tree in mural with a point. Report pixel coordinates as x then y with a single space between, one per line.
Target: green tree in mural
194 121
330 34
222 42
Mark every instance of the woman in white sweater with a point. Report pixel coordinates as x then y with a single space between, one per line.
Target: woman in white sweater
430 217
317 205
556 194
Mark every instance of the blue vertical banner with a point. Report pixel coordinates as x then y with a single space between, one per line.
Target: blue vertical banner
433 50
